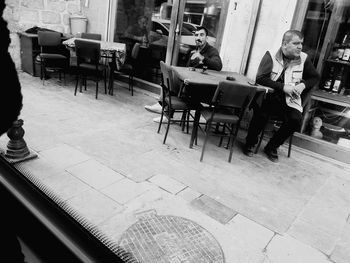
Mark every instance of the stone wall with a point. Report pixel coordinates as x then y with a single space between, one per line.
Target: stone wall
24 14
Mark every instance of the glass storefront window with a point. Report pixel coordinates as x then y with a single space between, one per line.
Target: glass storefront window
327 40
146 23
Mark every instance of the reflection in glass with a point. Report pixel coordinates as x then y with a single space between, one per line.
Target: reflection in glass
329 115
147 22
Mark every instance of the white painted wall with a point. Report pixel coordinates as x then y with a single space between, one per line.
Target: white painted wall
235 35
275 18
96 12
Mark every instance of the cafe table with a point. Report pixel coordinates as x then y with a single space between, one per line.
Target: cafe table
113 50
201 85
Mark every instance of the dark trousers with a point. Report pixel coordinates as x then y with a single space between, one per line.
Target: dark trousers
273 106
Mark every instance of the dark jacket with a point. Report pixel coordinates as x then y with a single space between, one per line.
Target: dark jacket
211 59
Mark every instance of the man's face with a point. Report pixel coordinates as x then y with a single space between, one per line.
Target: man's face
200 38
142 22
292 48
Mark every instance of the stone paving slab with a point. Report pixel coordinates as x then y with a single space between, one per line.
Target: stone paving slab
64 156
341 252
66 185
285 249
94 206
189 194
125 190
167 183
323 219
213 208
95 174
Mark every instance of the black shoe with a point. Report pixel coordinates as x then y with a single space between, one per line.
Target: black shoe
271 154
249 150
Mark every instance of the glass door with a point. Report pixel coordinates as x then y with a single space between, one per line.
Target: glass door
155 30
327 40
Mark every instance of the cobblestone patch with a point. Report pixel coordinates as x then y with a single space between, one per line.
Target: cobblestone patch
170 239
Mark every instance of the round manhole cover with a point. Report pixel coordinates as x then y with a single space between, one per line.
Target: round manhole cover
156 238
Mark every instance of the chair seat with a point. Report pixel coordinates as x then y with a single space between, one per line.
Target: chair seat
222 116
52 56
178 103
126 68
87 66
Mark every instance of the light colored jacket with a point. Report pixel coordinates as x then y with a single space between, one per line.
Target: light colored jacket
293 74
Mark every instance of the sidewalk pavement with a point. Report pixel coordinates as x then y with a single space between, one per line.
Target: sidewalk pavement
105 159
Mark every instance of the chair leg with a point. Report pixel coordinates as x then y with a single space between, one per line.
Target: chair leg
76 85
105 81
43 70
207 131
167 130
96 89
83 82
188 122
183 121
290 145
161 120
232 138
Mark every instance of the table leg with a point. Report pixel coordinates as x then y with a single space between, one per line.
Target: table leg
112 67
197 116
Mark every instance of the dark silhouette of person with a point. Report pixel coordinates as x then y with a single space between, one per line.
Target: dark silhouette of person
10 108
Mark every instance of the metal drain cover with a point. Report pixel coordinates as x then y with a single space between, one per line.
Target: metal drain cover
154 238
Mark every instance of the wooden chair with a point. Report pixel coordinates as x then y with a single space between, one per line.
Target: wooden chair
228 105
275 122
128 68
88 64
171 103
51 54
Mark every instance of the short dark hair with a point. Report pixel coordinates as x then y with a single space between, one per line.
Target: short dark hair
202 27
288 35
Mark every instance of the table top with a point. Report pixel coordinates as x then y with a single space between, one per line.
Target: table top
105 45
212 77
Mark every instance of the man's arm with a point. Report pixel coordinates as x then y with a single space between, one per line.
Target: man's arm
263 76
213 60
129 33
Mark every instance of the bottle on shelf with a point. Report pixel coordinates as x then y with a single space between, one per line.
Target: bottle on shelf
346 41
337 85
329 81
346 47
340 51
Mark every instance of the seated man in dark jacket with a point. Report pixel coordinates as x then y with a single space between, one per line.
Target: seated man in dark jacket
291 74
203 56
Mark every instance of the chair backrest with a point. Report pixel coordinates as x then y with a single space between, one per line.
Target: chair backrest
135 51
167 76
94 36
49 38
158 52
87 51
233 95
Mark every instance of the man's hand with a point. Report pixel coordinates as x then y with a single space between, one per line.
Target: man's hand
197 55
294 91
300 87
